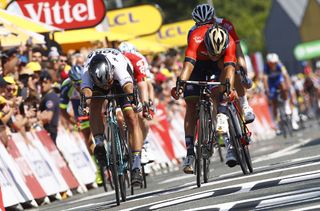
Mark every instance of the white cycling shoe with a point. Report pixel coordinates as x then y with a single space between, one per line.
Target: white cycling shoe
248 114
188 164
146 155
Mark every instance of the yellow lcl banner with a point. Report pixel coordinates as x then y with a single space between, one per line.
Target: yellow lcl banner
136 21
173 34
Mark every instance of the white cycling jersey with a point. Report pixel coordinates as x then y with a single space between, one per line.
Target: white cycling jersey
120 63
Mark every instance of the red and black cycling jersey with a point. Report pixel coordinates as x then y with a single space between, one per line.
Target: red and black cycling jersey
139 65
197 50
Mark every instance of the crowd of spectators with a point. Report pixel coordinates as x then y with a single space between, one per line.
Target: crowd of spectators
29 72
31 76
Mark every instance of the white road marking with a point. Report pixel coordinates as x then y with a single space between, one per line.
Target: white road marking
257 174
284 152
92 197
176 179
280 198
315 207
245 187
85 206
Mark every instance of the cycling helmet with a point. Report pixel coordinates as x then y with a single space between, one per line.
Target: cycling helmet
75 73
127 47
216 40
101 70
203 13
272 58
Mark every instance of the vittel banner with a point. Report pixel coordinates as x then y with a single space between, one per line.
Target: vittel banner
65 14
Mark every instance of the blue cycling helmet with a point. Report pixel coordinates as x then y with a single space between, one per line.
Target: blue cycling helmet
75 73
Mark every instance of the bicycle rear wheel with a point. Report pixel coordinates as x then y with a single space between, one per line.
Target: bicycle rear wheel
236 142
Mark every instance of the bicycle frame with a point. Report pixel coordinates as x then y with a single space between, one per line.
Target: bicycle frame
113 123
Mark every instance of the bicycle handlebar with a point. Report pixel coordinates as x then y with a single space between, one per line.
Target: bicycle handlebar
109 96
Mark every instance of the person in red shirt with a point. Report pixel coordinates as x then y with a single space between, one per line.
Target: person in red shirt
205 14
210 51
140 68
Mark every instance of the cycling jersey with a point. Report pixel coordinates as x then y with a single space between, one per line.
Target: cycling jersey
197 50
121 66
139 65
69 93
275 78
225 24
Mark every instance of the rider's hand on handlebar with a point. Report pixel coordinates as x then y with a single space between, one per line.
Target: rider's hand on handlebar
233 95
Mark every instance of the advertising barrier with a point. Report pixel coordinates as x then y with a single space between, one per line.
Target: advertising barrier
78 159
32 168
13 187
58 159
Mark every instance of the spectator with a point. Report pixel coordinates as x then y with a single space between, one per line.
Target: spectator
49 106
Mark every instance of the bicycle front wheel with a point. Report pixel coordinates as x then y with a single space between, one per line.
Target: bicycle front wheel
114 162
236 142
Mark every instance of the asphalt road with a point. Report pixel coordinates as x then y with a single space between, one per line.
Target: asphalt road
286 177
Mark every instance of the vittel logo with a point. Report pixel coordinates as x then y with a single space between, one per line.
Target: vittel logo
66 14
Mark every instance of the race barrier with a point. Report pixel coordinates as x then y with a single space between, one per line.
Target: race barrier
33 169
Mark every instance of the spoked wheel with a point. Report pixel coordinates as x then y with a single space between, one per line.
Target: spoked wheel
198 164
123 160
206 170
236 142
247 157
114 171
123 188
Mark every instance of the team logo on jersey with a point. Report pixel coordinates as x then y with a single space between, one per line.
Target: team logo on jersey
198 39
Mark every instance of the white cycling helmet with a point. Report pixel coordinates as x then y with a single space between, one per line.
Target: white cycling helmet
272 58
101 70
216 40
203 13
127 47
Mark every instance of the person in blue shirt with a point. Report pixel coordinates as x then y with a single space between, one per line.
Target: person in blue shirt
70 93
275 83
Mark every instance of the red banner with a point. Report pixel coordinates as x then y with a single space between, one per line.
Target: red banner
60 162
162 129
65 14
30 179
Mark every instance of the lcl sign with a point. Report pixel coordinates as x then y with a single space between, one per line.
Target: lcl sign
66 14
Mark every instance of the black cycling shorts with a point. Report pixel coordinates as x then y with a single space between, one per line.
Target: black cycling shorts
202 71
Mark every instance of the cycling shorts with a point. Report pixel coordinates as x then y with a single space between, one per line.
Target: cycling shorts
202 71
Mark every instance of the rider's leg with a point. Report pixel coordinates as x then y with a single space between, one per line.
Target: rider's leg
241 91
97 129
136 142
222 128
135 135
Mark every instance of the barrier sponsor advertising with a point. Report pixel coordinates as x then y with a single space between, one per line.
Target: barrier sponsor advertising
65 14
58 159
172 35
137 21
78 160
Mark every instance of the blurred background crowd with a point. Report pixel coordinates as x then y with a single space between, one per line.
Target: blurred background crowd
30 69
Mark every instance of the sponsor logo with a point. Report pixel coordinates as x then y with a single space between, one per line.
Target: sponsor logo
66 14
198 39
